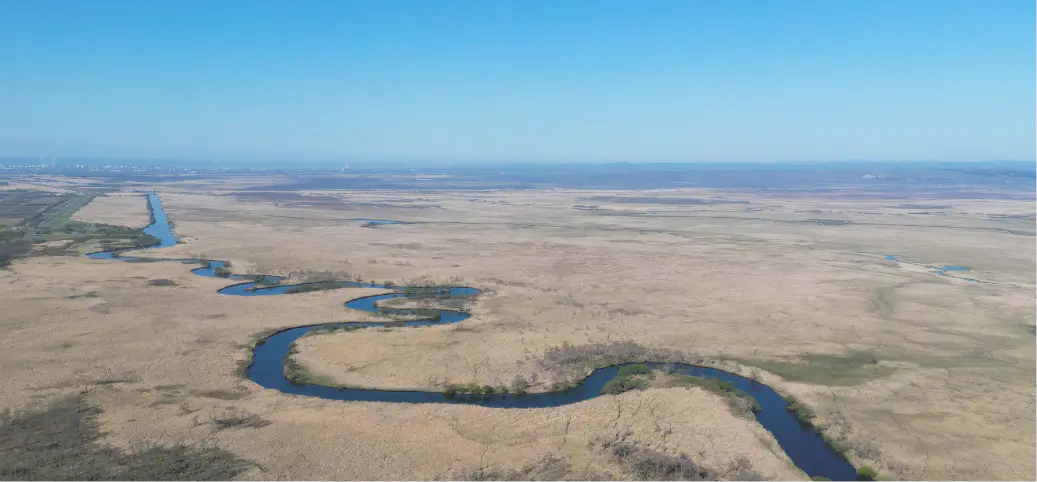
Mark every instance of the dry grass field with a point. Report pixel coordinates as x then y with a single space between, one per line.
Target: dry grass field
17 205
919 374
129 209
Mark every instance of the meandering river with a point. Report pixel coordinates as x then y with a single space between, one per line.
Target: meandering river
803 444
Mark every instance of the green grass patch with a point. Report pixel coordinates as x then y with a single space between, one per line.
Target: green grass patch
739 401
54 223
262 281
624 384
426 292
802 411
322 286
402 315
853 368
867 473
631 370
630 377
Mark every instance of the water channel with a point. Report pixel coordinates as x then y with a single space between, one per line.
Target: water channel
802 442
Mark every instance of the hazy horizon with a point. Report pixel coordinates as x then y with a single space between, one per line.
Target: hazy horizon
402 162
663 174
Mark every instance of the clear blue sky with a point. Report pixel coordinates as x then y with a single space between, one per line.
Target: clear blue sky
519 80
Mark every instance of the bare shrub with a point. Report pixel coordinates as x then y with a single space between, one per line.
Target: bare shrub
626 311
647 464
548 467
867 449
742 469
745 406
574 361
62 442
12 249
240 419
519 385
322 275
749 476
501 282
181 461
312 275
839 432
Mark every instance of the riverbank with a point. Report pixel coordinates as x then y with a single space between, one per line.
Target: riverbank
805 446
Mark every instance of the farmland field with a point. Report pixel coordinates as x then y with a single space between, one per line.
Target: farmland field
18 205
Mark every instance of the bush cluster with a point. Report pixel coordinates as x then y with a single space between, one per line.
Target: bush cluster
627 378
737 399
803 412
548 467
573 361
867 473
647 464
473 389
322 286
64 442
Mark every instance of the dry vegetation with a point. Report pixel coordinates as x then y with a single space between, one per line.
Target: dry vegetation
117 208
62 442
916 374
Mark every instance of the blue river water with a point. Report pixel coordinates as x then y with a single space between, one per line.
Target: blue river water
377 222
802 442
942 270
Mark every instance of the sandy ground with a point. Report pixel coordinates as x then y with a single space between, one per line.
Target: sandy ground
949 393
